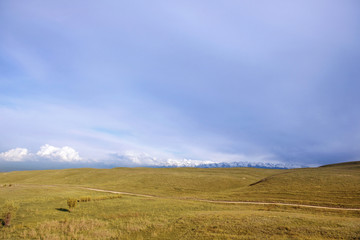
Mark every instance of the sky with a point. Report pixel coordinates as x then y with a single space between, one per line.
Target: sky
139 83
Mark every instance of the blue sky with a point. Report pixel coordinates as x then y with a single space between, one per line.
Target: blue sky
152 82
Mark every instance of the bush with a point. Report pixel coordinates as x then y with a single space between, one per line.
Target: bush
8 212
105 197
8 185
85 199
71 202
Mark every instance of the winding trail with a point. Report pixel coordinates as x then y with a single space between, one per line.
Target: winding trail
226 202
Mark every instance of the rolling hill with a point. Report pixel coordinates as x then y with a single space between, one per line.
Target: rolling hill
334 185
180 204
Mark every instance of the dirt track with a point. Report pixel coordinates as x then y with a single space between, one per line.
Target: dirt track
231 202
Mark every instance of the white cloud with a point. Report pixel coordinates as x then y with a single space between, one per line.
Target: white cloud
183 162
14 155
133 159
141 159
145 157
46 152
64 154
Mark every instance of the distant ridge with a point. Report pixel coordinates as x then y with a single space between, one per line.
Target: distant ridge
345 164
249 164
229 165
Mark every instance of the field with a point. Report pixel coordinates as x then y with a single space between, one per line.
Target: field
176 207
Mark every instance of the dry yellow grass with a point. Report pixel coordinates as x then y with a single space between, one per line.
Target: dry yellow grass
43 215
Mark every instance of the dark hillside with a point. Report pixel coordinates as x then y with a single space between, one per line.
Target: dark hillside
354 164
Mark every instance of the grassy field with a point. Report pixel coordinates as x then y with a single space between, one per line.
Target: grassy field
175 213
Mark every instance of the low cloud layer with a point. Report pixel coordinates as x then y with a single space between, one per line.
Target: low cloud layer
65 154
135 159
141 159
46 152
14 155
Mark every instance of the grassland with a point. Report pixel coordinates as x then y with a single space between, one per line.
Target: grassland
175 212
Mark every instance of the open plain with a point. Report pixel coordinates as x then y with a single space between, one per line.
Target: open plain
185 203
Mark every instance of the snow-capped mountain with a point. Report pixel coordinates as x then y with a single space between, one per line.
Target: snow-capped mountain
209 164
249 164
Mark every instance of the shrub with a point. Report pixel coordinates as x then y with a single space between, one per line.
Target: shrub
85 199
71 202
8 212
105 197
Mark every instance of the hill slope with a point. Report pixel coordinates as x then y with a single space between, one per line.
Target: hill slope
351 165
335 185
44 214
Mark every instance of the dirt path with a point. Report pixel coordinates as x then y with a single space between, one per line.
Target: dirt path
231 202
125 193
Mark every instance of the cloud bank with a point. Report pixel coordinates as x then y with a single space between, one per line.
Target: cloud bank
46 152
15 155
64 154
67 157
